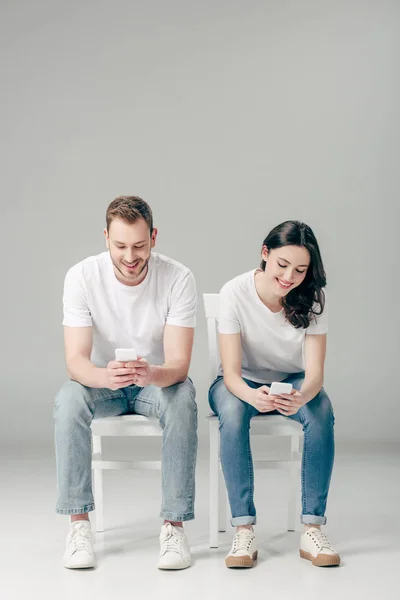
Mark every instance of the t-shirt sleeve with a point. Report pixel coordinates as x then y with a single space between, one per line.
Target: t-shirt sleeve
76 310
319 324
183 306
228 321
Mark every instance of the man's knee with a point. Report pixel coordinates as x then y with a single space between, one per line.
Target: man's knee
178 401
71 402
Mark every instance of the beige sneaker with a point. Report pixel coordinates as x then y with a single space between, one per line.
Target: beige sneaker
315 546
243 552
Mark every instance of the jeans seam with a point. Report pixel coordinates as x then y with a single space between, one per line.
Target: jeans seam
303 477
250 463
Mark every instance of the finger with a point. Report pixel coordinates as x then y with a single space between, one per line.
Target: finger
115 364
121 372
282 402
120 380
287 396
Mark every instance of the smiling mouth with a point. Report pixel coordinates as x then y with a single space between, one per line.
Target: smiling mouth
286 286
131 267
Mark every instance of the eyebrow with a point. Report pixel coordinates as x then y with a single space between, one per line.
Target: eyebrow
135 244
286 261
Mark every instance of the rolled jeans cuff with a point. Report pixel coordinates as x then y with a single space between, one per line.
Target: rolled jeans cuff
313 520
236 521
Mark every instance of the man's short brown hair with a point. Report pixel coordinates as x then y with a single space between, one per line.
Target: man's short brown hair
130 209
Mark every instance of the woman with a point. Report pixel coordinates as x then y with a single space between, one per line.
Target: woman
272 327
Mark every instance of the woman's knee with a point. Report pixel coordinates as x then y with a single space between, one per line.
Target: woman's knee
319 412
232 412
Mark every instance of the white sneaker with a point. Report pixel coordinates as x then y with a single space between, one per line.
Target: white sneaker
174 548
243 552
79 550
315 546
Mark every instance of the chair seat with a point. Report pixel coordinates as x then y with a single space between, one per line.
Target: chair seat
126 425
269 425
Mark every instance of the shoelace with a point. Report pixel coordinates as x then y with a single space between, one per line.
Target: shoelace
80 539
172 540
242 539
321 540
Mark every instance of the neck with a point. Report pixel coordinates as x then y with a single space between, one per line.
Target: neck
267 296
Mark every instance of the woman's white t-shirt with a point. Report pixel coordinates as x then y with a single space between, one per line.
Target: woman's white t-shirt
129 316
272 348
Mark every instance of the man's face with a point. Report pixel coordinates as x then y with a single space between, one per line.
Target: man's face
130 247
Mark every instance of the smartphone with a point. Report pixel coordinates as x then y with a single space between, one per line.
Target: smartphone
277 388
125 354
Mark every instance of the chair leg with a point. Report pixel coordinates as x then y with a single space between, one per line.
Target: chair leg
293 480
222 513
98 485
213 507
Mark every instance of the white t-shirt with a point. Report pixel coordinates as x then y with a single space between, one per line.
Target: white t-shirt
272 348
129 316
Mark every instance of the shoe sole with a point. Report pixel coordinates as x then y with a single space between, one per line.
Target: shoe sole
241 562
322 560
80 566
174 568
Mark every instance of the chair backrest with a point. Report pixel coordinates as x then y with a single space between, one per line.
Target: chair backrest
211 308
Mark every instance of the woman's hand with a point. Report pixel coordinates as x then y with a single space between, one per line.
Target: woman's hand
262 400
289 404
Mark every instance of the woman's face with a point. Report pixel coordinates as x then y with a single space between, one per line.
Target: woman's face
286 267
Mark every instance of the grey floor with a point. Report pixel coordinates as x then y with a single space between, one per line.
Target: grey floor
363 524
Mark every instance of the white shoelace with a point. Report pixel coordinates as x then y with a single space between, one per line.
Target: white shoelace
321 540
80 539
242 540
171 540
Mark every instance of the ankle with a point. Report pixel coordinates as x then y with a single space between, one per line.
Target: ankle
174 523
239 527
83 517
310 525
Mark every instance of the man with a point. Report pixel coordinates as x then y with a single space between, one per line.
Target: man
128 297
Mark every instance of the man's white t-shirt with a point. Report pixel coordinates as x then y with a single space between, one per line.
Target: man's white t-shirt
272 348
129 316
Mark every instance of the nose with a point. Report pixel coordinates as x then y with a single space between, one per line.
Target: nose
289 274
129 258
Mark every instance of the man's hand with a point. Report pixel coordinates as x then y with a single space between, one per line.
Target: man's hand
118 375
262 400
143 372
289 404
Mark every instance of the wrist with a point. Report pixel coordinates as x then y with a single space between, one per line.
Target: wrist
101 377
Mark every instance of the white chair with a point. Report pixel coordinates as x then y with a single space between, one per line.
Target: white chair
124 425
270 425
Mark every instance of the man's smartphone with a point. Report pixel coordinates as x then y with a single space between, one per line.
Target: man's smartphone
277 388
125 354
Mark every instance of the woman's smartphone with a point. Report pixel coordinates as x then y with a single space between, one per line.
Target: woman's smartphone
125 354
277 388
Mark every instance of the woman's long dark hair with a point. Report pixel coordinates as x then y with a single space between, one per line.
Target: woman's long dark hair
299 303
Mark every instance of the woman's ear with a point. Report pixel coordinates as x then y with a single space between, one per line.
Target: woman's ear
264 253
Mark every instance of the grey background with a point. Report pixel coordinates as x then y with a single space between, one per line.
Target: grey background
228 118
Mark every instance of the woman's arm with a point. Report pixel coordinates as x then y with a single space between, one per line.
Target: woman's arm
315 351
231 358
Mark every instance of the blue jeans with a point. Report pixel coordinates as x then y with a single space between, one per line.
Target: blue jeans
317 420
175 407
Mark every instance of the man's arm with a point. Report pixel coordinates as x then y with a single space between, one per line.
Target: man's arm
78 348
178 344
